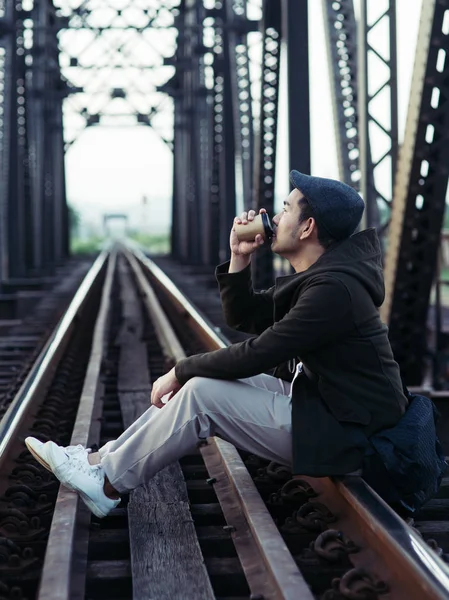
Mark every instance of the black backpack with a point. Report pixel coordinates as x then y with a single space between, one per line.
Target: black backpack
405 464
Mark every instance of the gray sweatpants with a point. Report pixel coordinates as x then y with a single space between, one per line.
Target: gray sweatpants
254 414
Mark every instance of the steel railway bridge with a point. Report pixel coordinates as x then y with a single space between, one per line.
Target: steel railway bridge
225 130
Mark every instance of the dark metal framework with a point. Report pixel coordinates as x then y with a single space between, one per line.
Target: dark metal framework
341 43
364 98
225 132
266 135
283 22
109 68
33 213
376 51
213 127
224 155
240 26
241 146
419 195
185 92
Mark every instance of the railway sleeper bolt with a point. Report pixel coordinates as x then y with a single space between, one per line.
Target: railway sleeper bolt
29 472
296 492
435 547
21 489
12 559
211 480
254 462
314 516
50 412
229 528
275 499
5 513
357 584
7 549
332 545
24 497
277 472
12 525
291 526
261 476
44 427
18 564
15 525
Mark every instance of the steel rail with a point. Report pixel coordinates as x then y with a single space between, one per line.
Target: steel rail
42 372
64 570
269 567
420 568
394 543
204 329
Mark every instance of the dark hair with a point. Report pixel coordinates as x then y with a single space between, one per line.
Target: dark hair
324 238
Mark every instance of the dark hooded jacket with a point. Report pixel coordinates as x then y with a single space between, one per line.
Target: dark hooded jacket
326 317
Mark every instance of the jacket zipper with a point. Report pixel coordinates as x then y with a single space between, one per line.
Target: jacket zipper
298 371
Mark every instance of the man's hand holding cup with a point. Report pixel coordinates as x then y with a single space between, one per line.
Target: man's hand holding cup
249 232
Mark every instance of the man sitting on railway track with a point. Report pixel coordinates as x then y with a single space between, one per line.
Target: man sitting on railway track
319 327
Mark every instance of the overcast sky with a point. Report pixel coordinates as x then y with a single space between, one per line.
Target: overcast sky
110 169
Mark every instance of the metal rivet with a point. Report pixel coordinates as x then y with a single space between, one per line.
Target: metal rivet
229 528
211 480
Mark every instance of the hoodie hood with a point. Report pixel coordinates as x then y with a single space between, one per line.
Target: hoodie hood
359 256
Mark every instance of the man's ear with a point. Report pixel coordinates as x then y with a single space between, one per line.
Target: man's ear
310 227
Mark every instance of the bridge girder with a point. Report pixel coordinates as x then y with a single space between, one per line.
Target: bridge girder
419 195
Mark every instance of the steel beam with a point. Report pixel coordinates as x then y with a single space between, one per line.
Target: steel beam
377 96
419 195
341 44
14 177
238 27
285 22
223 186
33 213
7 105
181 174
265 141
191 143
115 64
296 35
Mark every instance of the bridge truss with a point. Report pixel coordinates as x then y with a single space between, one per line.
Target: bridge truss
206 75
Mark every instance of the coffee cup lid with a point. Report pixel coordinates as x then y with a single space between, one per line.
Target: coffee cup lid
268 227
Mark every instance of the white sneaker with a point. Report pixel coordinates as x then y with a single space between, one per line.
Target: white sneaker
74 471
39 451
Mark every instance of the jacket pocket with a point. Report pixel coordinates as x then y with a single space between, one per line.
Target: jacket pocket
343 408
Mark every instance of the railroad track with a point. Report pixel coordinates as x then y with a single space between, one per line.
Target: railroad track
220 524
22 339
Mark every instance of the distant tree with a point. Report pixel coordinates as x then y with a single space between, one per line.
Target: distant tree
446 218
74 221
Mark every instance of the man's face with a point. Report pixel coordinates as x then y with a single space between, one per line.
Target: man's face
286 239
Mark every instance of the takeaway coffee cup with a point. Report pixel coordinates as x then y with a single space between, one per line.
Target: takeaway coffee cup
260 224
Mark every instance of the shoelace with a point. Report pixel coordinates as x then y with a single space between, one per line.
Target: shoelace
70 450
94 471
78 457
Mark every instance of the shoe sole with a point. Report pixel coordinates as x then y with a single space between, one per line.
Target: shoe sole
91 505
47 465
38 458
87 501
